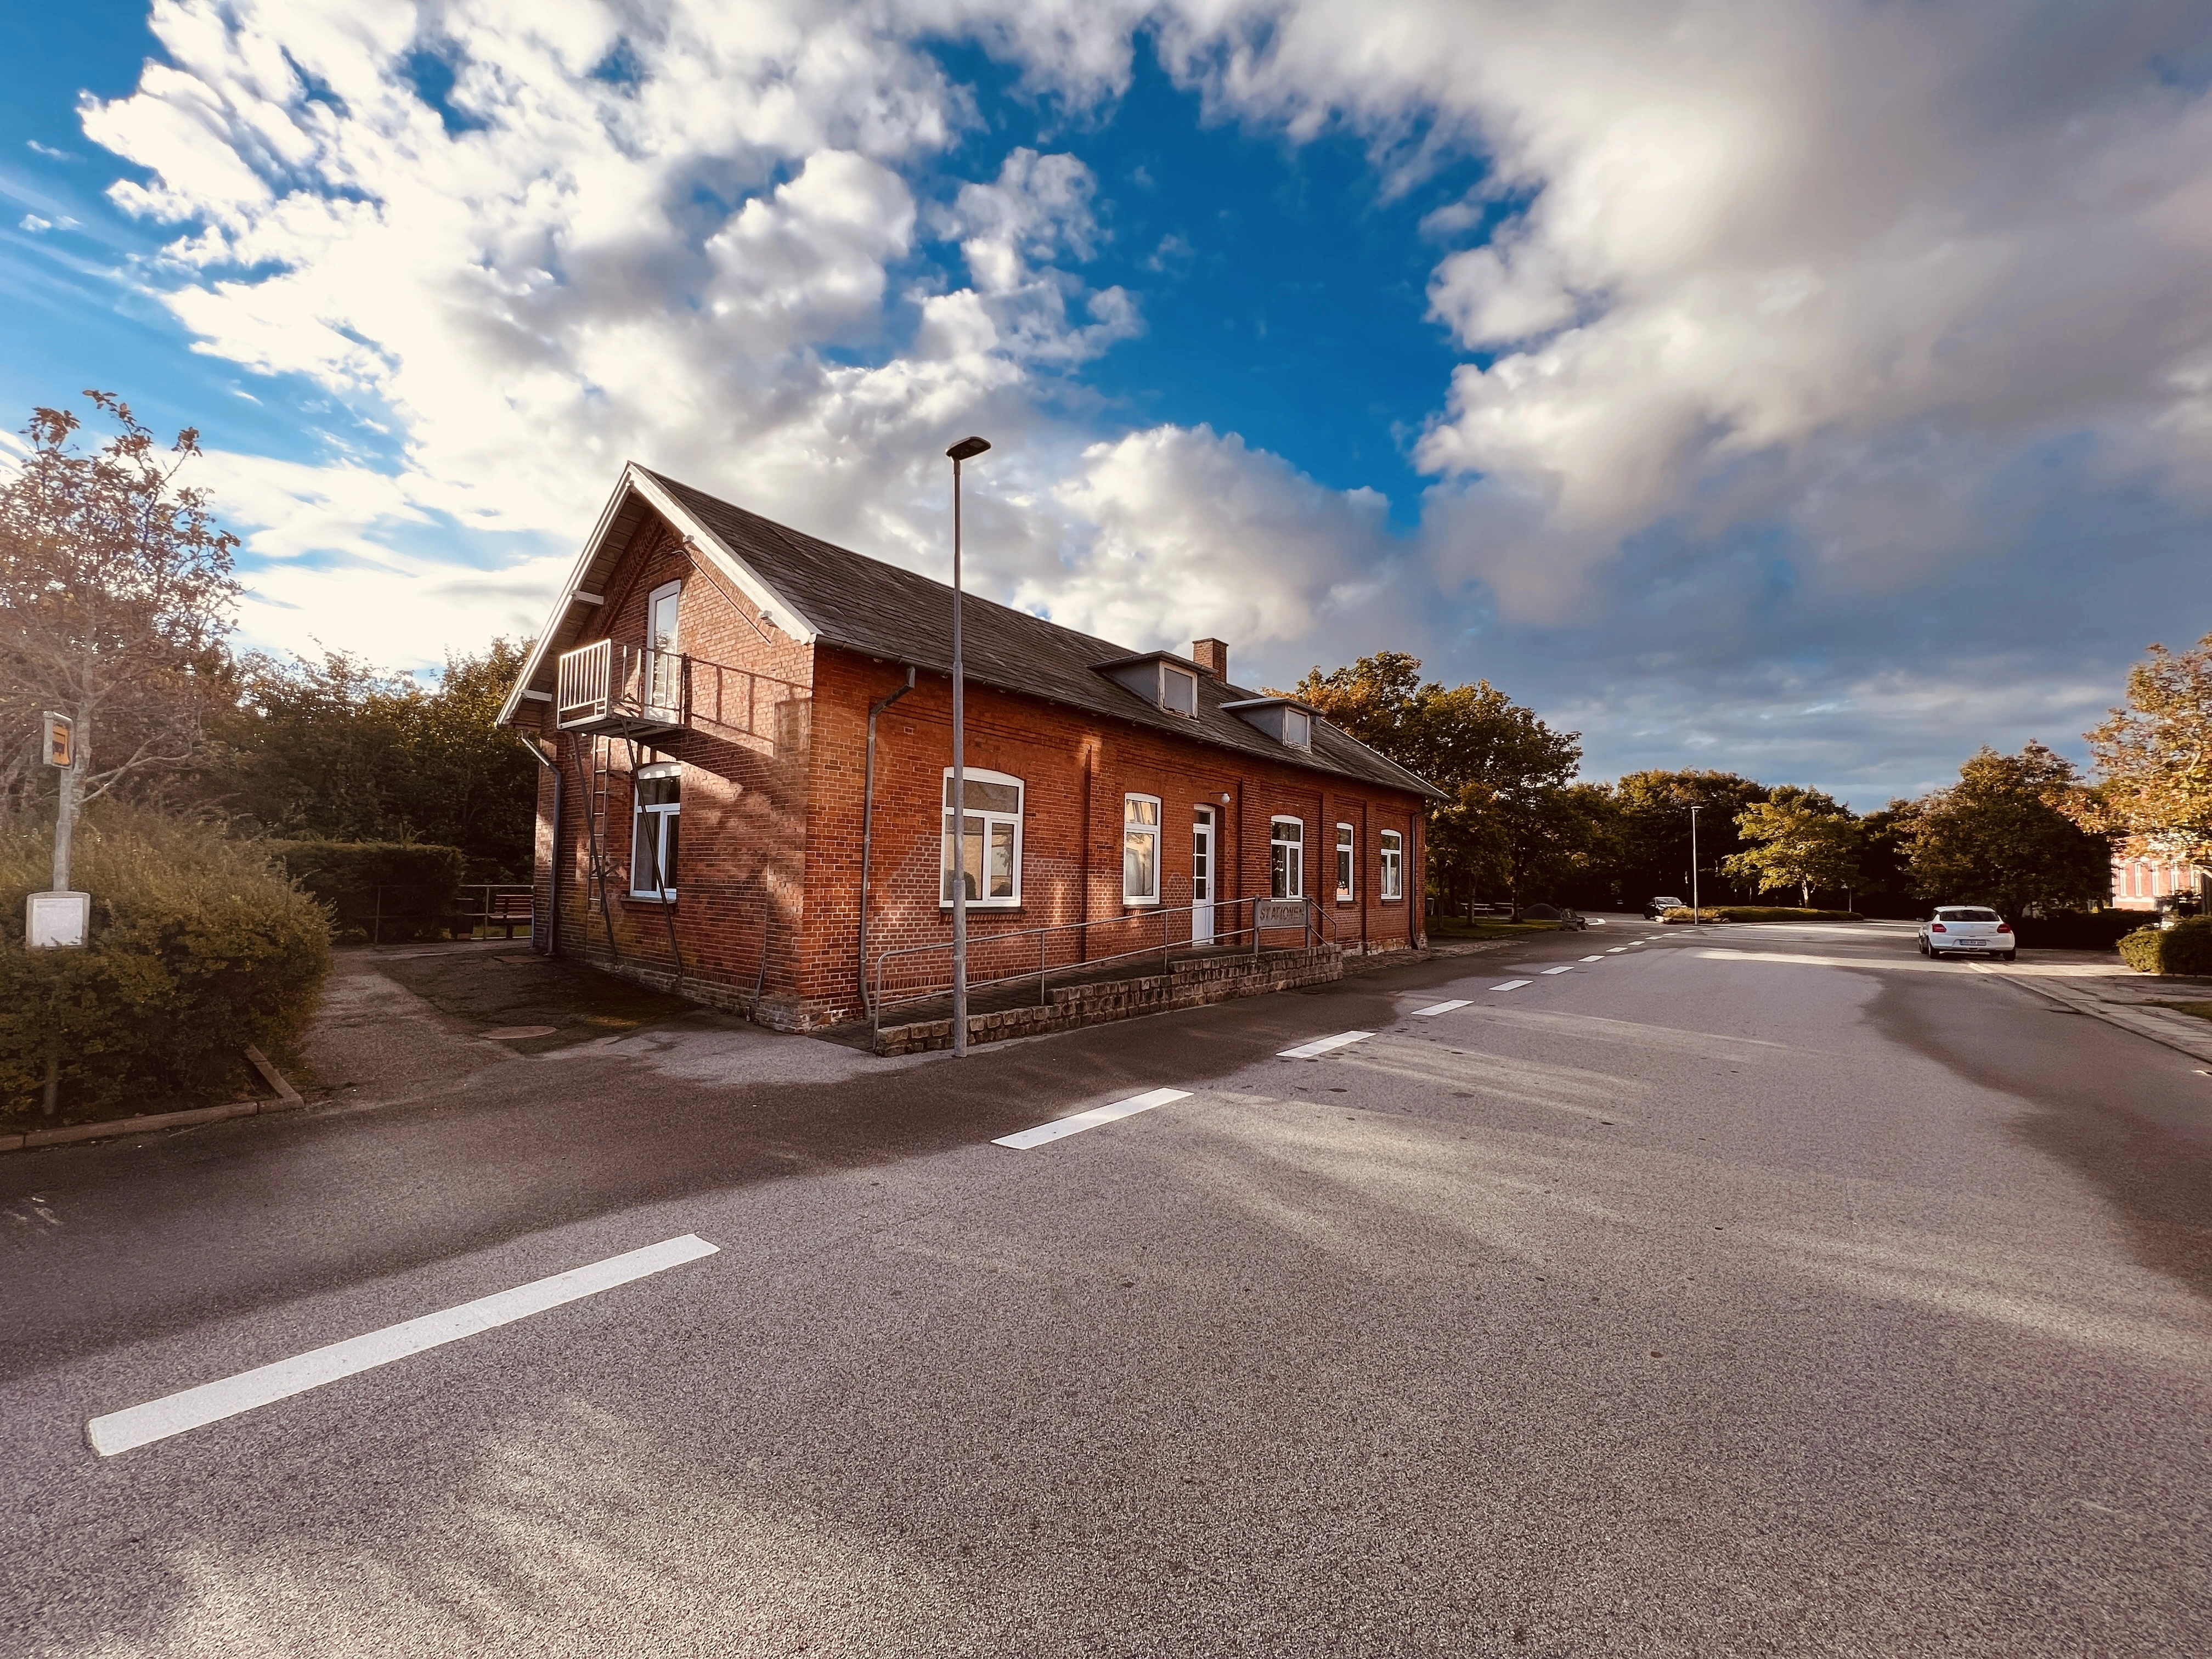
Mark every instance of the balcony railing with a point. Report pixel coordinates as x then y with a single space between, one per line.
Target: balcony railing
627 688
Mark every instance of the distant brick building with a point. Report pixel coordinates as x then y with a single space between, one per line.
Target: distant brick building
2139 884
706 694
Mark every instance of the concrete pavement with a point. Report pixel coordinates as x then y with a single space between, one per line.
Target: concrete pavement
1749 1290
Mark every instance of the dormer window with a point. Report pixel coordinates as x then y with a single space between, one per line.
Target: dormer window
1288 723
1178 690
1166 682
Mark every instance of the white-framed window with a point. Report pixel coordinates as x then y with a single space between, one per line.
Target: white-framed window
1344 861
1140 849
656 806
663 666
989 838
1394 865
662 607
1286 856
1297 728
1178 690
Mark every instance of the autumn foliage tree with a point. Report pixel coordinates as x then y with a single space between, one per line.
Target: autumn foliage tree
115 598
2153 761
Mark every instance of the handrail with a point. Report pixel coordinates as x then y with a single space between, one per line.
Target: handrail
1318 921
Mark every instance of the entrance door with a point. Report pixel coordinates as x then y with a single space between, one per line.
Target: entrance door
1201 878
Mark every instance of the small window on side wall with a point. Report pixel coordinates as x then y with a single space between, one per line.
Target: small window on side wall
989 840
1394 865
1286 858
1140 849
1344 888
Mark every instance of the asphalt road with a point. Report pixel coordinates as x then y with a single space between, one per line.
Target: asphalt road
1769 1290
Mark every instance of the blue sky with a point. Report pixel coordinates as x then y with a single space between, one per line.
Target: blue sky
1768 388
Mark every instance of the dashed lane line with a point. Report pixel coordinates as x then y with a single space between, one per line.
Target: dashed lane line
1321 1046
1564 968
1615 950
1439 1008
1060 1128
210 1402
1513 985
1592 958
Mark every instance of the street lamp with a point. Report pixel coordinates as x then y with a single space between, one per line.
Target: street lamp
966 450
1696 919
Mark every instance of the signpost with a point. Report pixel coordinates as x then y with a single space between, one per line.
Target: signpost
60 916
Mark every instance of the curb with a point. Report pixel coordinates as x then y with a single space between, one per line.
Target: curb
287 1098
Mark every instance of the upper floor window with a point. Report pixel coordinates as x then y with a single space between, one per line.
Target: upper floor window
1286 857
1344 864
661 608
1140 849
656 804
1394 864
1297 728
989 840
1178 690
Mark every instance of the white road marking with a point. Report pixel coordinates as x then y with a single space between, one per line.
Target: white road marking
1513 985
1440 1008
1615 950
1592 958
1321 1046
1060 1127
1564 968
210 1402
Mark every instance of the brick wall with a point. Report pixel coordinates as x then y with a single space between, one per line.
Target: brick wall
768 912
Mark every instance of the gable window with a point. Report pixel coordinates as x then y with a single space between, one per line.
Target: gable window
1286 855
1394 865
656 804
1297 728
663 668
1140 849
1344 864
1178 690
989 838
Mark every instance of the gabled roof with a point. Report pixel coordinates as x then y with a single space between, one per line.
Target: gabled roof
818 593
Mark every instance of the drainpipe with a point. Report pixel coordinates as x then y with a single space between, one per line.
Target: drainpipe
868 830
553 900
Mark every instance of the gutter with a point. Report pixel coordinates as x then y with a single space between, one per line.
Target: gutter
868 829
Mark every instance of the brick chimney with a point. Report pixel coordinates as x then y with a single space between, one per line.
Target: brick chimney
1211 655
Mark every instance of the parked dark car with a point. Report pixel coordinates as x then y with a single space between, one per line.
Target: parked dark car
1654 908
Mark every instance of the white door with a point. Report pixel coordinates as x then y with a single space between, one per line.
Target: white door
1201 878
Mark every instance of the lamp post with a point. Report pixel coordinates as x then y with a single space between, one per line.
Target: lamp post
966 450
1696 919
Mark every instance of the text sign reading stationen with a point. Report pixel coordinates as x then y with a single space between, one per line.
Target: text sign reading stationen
61 739
51 920
1278 913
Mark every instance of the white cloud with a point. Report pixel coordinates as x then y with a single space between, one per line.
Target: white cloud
1875 284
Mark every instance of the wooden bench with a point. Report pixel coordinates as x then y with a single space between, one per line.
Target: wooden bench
504 909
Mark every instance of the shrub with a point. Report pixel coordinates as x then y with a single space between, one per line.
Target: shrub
197 948
2184 948
1782 913
386 890
1683 912
2077 930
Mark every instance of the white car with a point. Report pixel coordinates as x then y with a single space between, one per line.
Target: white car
1968 930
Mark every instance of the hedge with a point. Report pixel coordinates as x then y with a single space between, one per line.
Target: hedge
198 947
390 889
2077 930
2184 948
1781 913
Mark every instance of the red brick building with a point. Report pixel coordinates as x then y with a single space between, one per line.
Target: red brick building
740 722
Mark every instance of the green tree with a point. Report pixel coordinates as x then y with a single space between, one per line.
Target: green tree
1800 838
115 600
2154 760
1653 831
339 750
2002 836
1510 823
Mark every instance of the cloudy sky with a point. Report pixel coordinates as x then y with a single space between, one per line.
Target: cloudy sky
1814 390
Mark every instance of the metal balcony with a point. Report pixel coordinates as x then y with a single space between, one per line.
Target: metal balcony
623 690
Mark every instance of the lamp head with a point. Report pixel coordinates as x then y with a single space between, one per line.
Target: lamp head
968 448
